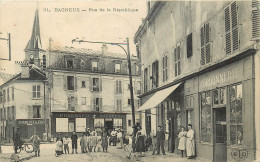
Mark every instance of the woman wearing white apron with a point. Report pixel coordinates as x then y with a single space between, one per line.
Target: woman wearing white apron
190 144
182 142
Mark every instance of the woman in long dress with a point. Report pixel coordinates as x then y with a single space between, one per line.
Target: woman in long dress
140 145
104 136
190 144
182 142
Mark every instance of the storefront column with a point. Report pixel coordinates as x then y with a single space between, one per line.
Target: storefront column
257 103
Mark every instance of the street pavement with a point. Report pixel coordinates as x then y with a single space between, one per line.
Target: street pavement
114 154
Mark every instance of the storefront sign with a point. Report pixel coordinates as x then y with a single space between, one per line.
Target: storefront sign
30 122
85 115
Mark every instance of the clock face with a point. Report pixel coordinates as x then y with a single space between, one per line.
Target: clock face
31 56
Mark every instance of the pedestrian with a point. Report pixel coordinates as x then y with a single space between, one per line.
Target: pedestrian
17 140
113 137
190 143
104 136
160 140
99 144
61 139
182 142
36 144
87 131
86 143
74 140
66 145
120 139
94 140
82 146
58 149
154 143
140 139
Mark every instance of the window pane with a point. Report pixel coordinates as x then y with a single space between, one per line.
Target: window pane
232 98
205 117
34 88
223 96
239 104
38 88
215 97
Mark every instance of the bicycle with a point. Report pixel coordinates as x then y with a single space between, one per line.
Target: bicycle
26 147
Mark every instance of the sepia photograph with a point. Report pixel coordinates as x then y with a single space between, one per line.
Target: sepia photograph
130 80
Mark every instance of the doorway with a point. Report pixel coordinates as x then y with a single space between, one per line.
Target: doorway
171 135
109 125
220 134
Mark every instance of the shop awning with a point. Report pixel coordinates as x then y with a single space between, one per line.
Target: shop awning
157 98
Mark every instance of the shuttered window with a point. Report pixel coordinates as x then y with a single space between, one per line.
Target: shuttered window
165 68
118 86
177 61
205 44
97 104
155 74
256 19
231 28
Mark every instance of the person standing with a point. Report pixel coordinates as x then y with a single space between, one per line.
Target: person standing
190 143
154 142
74 140
66 145
36 144
94 140
120 139
182 142
17 140
160 140
113 137
140 138
104 136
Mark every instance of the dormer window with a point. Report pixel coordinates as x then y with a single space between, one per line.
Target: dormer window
69 64
117 68
94 65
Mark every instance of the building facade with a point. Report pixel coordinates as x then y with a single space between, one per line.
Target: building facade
90 89
202 59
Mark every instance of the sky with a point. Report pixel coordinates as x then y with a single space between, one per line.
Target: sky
93 22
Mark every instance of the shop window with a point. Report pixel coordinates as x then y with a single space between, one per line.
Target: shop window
83 84
205 44
165 68
118 105
36 91
97 104
70 82
189 45
118 123
94 65
36 111
145 80
62 124
72 125
177 61
205 105
99 123
83 100
236 123
80 124
117 68
118 86
231 28
219 97
12 93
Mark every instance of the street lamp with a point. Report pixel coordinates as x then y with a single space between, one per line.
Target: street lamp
127 52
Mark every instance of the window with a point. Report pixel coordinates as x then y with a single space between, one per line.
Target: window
4 114
99 123
138 87
189 117
80 124
129 123
205 105
155 74
189 101
13 112
231 28
70 82
8 113
94 65
129 101
145 80
189 45
82 63
117 68
36 111
97 104
62 124
83 100
177 62
236 122
205 44
83 84
44 62
118 123
165 68
118 86
71 124
4 99
12 93
118 105
96 84
69 63
36 91
219 97
71 103
8 95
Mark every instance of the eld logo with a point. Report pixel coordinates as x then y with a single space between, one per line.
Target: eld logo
239 154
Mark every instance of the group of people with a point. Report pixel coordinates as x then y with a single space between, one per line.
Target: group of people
116 137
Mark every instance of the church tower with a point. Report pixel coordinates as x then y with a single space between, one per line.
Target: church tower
34 54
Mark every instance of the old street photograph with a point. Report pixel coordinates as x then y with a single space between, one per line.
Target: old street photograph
130 80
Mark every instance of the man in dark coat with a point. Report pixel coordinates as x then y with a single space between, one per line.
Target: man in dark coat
74 141
160 140
17 140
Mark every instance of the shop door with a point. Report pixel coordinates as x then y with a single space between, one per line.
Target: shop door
220 135
109 125
171 135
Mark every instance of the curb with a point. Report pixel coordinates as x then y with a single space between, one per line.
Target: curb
27 158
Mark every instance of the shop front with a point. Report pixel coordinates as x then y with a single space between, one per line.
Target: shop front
28 126
67 122
222 101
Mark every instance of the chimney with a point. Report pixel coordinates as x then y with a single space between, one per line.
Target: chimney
25 71
104 49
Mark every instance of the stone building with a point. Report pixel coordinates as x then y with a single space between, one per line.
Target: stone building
200 65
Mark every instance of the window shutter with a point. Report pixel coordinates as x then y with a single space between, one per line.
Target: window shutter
76 83
100 104
207 39
115 86
227 30
255 19
234 20
65 82
91 85
93 104
100 84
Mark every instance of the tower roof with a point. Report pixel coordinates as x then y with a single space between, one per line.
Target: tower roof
35 41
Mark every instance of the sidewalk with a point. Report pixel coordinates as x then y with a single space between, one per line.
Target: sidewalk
7 157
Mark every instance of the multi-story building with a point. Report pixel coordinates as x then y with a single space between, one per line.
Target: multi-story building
200 66
90 89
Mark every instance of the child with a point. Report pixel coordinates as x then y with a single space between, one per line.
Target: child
82 144
98 144
58 147
66 145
